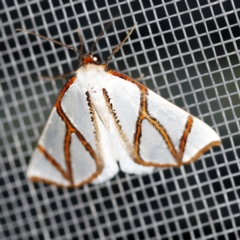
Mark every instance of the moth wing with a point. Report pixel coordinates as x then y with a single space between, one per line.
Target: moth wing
67 153
160 133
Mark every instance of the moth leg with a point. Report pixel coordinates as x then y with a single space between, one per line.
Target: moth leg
63 76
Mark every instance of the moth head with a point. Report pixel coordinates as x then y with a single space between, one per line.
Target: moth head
89 58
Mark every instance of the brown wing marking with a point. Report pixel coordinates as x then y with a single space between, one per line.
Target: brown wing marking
144 114
53 161
96 132
67 142
117 124
186 132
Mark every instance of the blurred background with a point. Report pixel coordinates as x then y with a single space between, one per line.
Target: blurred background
188 52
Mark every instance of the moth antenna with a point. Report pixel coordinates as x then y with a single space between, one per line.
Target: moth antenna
107 26
50 39
80 56
80 40
120 45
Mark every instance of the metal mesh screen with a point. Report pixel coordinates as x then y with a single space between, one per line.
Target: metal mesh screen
188 52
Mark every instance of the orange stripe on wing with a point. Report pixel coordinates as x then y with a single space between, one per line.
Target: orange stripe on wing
53 162
203 150
127 78
67 142
185 135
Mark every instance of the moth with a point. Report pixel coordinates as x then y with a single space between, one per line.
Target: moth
103 120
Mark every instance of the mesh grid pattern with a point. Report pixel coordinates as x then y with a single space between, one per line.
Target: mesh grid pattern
188 52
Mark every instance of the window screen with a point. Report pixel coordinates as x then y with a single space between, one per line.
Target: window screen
188 52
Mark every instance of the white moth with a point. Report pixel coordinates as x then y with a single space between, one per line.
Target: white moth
102 116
